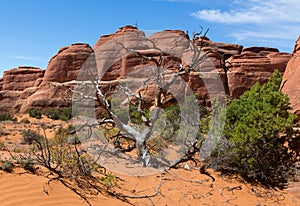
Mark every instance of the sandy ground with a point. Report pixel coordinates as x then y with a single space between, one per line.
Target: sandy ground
177 187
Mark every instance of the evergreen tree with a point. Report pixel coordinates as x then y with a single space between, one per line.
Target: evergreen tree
257 135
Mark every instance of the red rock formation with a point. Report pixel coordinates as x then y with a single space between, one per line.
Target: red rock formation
57 96
133 32
252 65
239 68
21 78
65 65
1 83
8 99
291 78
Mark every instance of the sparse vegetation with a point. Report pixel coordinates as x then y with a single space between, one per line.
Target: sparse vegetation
109 181
25 121
35 113
67 161
7 117
29 137
52 113
7 166
56 114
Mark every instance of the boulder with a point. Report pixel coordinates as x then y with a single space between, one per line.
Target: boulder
21 78
291 78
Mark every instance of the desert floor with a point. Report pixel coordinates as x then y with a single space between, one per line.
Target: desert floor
176 186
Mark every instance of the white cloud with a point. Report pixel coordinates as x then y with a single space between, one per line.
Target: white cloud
216 15
29 58
253 11
258 21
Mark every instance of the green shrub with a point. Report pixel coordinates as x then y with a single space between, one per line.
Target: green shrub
56 114
25 121
35 113
29 137
109 181
7 117
66 114
135 116
28 163
7 166
52 113
258 129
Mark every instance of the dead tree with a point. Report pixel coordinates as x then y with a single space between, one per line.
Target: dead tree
152 52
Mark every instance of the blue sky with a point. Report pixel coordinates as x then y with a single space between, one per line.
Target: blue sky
32 31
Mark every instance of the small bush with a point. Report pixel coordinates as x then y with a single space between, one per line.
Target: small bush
56 114
7 117
28 164
30 136
25 121
66 114
109 181
7 166
35 113
52 113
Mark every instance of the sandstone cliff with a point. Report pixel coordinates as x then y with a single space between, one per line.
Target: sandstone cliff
239 68
291 80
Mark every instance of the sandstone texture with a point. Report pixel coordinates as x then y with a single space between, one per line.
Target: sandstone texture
66 64
291 79
254 64
1 83
225 68
21 78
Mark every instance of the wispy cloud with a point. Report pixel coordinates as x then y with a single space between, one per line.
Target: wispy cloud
29 58
254 11
259 20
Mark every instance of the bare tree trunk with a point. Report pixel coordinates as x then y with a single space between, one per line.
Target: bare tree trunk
143 152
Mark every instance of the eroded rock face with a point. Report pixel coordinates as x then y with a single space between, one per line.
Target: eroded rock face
291 80
8 99
58 96
254 64
128 33
21 78
1 83
14 82
238 67
65 65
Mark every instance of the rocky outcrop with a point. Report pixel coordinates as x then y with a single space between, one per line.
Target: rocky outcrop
62 69
254 64
53 89
21 78
1 83
13 83
239 68
65 65
58 96
8 99
291 78
127 34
